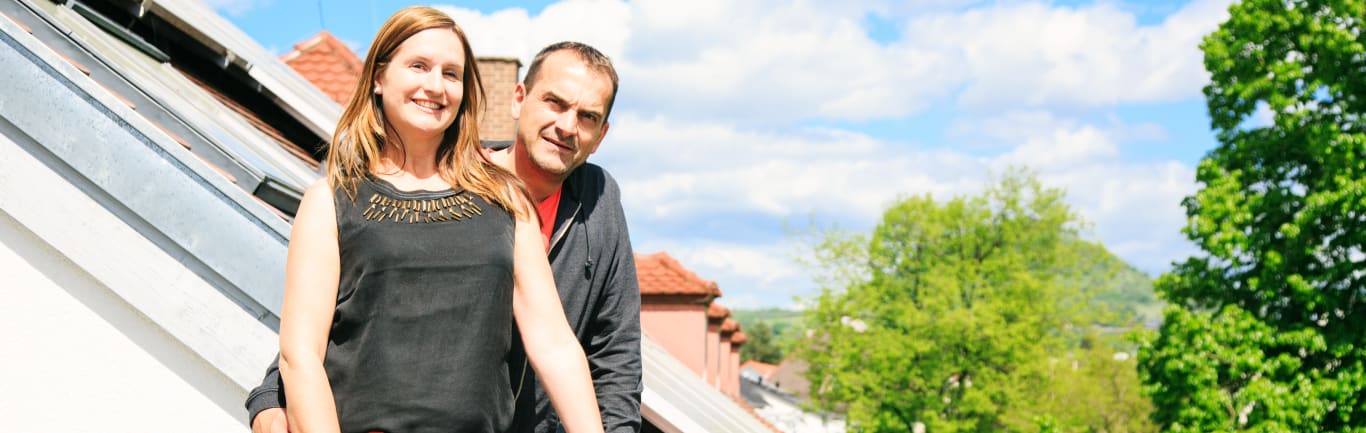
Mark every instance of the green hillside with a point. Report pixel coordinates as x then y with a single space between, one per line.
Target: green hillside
1123 290
781 320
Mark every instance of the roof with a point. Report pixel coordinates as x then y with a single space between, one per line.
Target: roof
327 63
791 377
660 274
125 127
717 312
764 369
207 152
738 338
740 400
237 50
729 326
676 400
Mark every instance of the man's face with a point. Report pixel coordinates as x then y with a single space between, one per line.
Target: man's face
561 119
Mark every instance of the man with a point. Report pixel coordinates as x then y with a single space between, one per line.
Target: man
561 108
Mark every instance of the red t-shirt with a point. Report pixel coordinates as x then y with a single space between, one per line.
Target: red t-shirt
547 209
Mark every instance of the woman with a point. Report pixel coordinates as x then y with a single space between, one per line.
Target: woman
409 262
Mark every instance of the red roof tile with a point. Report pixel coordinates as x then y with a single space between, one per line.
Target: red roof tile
729 326
763 368
716 311
327 63
660 274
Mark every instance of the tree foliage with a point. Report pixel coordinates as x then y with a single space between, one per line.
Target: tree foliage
950 314
1094 388
762 345
1263 333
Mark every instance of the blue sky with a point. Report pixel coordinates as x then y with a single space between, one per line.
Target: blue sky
738 121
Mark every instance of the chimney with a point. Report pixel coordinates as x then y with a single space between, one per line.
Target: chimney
500 77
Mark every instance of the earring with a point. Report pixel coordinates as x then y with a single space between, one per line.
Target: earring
376 89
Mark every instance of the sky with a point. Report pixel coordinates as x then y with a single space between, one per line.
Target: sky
740 125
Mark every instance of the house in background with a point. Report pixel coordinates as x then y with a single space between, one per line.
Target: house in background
328 63
787 412
151 157
781 395
678 311
758 372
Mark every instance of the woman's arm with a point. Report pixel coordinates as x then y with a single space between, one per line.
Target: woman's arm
550 344
311 273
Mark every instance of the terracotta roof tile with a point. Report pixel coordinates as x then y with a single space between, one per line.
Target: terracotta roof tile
327 63
729 326
763 368
717 312
660 274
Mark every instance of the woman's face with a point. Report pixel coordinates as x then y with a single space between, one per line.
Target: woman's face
422 86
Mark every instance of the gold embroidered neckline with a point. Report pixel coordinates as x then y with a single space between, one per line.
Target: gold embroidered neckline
452 208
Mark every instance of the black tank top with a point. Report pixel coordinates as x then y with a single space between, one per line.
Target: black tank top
423 322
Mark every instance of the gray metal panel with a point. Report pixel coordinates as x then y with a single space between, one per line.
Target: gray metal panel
43 19
686 403
298 96
223 128
138 172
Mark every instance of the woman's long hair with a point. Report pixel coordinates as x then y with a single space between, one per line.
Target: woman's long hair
361 134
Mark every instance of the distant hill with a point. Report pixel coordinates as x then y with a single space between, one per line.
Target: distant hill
1126 292
781 320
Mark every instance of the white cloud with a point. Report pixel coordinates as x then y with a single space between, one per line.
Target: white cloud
749 276
1062 148
697 167
1035 54
773 62
513 32
783 62
776 63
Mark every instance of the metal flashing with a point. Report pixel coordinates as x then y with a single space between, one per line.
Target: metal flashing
677 401
154 183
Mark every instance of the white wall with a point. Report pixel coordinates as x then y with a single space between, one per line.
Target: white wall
78 358
101 328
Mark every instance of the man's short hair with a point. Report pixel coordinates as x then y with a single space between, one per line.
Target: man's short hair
595 60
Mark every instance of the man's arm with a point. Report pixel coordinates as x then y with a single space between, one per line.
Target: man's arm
613 343
269 397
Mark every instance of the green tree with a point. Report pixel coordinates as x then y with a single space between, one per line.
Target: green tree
1263 333
1095 388
762 345
948 313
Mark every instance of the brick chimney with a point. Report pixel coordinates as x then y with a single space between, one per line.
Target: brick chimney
500 77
